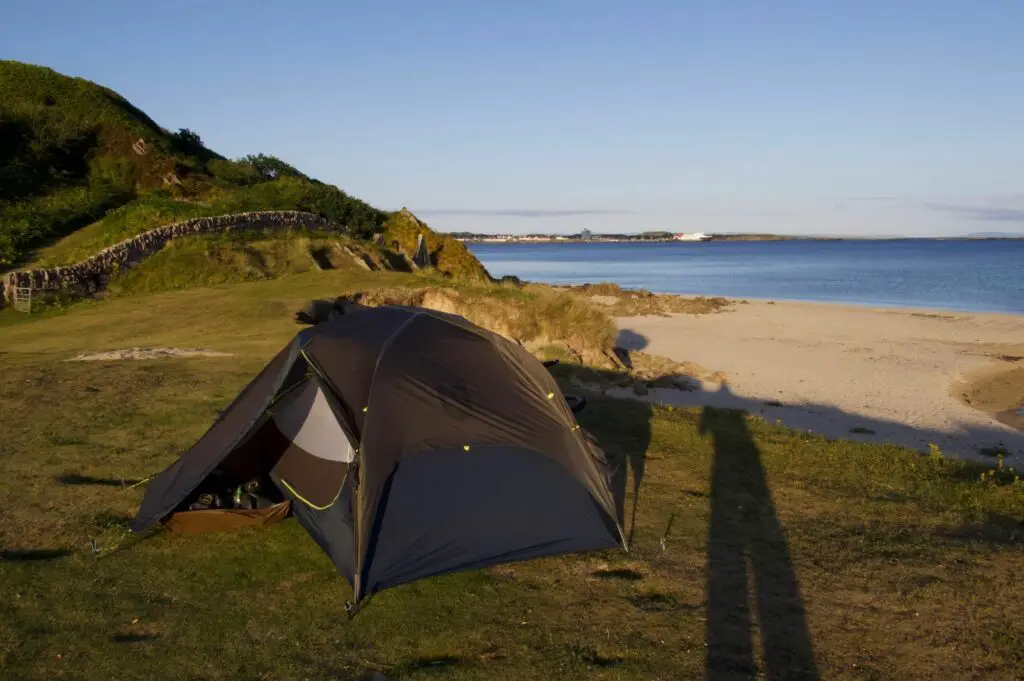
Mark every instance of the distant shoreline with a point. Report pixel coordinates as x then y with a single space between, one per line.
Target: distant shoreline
559 239
954 276
924 310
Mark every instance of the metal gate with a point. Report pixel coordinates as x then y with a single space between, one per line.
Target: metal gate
23 298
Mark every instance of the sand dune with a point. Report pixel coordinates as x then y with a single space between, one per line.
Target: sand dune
875 375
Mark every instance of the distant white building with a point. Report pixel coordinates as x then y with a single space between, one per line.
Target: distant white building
695 236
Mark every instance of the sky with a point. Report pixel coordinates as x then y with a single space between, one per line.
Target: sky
863 117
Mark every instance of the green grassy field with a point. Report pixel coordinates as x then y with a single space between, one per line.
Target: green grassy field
757 551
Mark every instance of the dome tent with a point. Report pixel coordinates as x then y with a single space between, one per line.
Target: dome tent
408 443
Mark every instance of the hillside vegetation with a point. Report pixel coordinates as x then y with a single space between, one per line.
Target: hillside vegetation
77 160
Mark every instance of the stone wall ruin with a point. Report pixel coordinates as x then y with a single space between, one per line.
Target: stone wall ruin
92 274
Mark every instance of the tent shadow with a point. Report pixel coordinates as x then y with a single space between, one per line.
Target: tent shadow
628 456
623 431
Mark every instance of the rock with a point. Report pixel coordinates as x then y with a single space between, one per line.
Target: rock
358 259
640 388
686 383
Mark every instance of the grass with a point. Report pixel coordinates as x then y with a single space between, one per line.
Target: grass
200 261
118 225
865 561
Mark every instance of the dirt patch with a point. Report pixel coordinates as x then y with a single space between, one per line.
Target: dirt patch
146 353
1000 394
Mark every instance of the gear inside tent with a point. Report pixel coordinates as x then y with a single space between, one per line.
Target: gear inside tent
408 443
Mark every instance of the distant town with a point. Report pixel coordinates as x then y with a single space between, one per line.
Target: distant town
585 235
588 236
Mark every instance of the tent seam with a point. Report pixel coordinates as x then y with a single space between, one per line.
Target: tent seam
359 558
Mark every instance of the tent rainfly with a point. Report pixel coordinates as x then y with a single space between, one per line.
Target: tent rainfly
408 443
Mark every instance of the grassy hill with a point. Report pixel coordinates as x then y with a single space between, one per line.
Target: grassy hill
72 165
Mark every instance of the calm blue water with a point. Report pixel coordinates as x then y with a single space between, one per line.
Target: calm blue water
952 275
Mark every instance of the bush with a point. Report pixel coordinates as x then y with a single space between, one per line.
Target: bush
234 172
290 193
271 167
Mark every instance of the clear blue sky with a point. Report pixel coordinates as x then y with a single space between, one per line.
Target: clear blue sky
818 116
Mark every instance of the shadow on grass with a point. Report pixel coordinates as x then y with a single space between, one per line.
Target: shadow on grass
751 576
134 638
592 657
744 528
619 573
626 447
747 546
423 664
75 479
995 528
33 555
660 602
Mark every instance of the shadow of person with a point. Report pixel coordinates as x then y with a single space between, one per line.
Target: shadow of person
628 459
629 455
745 528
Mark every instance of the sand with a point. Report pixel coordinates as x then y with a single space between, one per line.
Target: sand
875 375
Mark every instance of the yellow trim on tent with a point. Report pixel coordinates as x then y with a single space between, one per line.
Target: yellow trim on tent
309 503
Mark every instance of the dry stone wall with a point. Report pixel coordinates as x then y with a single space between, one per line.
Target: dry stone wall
92 274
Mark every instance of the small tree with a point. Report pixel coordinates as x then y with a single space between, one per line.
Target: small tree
189 139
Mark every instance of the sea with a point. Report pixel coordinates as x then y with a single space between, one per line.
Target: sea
956 275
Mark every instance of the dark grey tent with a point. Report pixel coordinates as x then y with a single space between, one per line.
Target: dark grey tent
408 443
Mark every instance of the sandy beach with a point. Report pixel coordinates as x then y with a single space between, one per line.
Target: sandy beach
874 375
